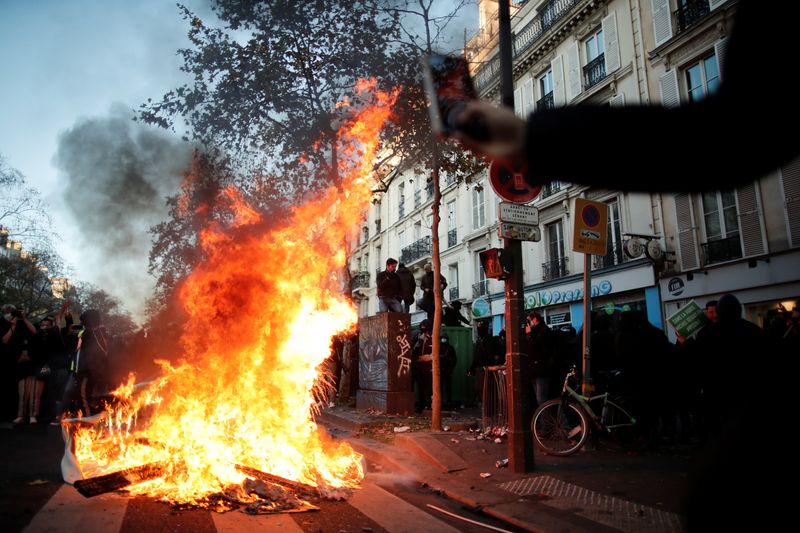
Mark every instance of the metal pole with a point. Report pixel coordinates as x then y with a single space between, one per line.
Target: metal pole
520 442
587 386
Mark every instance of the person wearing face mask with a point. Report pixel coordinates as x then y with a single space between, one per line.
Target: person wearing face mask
52 363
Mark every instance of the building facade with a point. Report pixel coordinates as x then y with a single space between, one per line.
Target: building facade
664 249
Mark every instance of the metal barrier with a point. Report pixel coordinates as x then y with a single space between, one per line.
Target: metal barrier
494 405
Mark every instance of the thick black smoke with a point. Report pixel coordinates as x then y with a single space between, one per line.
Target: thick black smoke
117 174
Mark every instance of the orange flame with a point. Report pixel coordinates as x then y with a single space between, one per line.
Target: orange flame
262 310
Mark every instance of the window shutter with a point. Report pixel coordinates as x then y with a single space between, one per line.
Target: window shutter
573 72
687 242
670 93
721 50
662 21
559 95
518 102
611 43
790 179
618 100
527 96
750 222
714 4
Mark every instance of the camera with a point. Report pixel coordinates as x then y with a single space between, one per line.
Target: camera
449 87
16 313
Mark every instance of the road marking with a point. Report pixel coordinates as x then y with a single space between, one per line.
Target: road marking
598 507
376 503
239 522
67 510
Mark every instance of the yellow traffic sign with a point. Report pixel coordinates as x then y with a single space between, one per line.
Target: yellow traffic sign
591 227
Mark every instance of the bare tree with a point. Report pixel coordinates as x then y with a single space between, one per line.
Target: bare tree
24 216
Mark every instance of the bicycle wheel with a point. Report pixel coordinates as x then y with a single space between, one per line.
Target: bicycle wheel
633 433
559 429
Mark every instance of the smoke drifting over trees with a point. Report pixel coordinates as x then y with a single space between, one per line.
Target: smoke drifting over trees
117 175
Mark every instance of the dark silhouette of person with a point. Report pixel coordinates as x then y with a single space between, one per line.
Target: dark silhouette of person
408 286
452 315
389 289
746 126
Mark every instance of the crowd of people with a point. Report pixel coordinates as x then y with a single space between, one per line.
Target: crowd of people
54 367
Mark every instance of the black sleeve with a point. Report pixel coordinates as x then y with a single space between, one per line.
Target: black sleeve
728 139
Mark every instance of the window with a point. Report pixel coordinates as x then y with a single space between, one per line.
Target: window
417 230
481 288
478 207
452 281
614 243
702 78
546 90
721 222
556 266
595 69
365 233
452 234
401 204
594 46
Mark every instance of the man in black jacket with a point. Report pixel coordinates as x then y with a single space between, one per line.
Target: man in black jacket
389 289
408 286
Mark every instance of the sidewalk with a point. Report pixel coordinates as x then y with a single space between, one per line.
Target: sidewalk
604 489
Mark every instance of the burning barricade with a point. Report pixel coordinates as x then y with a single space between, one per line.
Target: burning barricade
231 424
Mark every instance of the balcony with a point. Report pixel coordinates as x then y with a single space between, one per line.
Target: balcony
548 14
557 268
480 289
551 188
545 102
614 257
690 13
360 280
452 238
721 250
595 71
418 250
453 295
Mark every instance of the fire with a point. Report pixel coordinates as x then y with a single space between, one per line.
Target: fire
262 310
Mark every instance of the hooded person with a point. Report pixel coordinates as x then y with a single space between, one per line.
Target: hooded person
92 360
426 284
408 286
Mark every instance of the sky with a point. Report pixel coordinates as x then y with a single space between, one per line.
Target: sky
72 72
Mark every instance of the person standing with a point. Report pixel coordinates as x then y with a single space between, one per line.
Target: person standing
389 289
408 286
540 355
426 284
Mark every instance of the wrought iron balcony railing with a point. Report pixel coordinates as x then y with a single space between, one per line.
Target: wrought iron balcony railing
360 280
595 71
557 268
545 102
480 289
720 250
613 257
453 294
413 252
690 12
548 15
452 238
549 189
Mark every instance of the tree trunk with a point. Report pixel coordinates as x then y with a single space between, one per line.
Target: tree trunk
436 406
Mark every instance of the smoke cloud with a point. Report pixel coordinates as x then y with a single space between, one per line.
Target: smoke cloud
116 174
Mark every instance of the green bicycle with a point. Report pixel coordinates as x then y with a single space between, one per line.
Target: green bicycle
561 426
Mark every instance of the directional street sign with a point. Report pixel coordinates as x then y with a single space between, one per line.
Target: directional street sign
521 232
591 231
517 213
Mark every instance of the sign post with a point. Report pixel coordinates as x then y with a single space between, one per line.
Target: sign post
589 237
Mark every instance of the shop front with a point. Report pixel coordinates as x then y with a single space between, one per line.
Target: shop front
629 286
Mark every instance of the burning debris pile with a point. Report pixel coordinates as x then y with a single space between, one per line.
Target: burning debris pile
231 425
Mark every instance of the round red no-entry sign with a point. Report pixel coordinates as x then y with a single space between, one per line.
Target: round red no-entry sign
510 183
